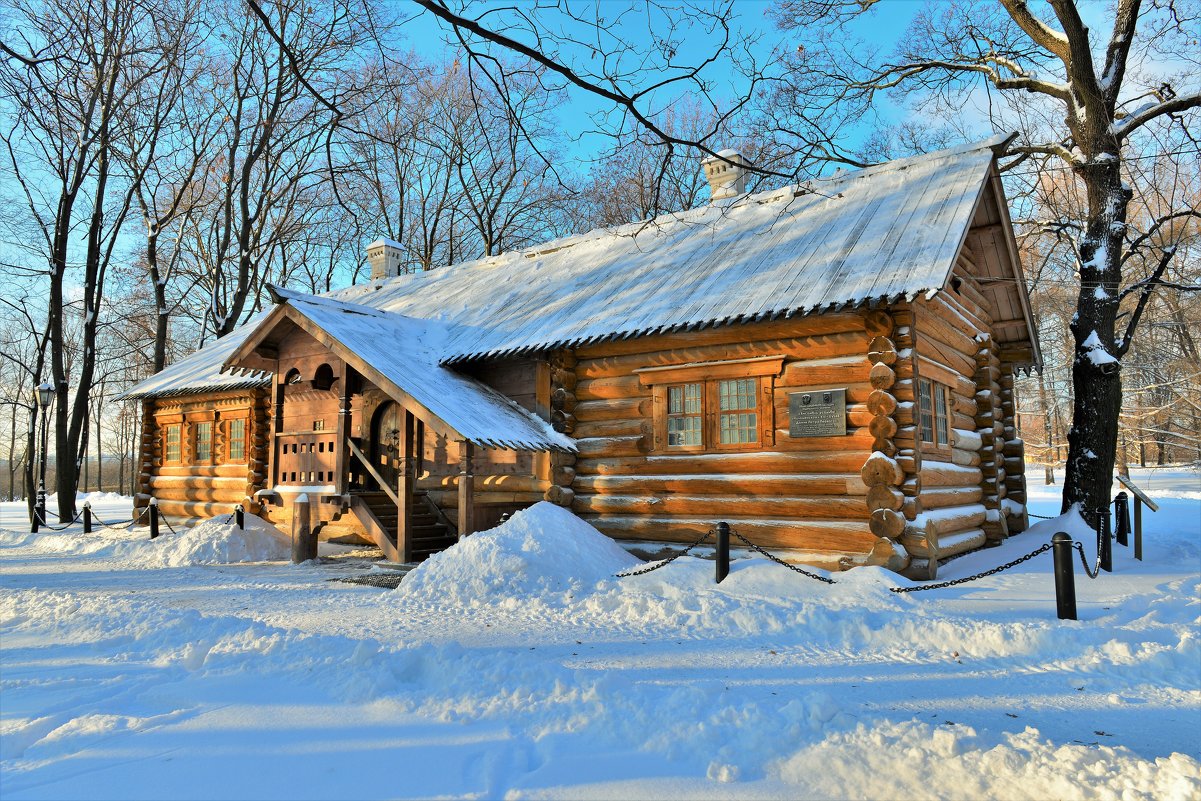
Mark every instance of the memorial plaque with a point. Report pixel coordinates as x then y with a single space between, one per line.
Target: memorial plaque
819 413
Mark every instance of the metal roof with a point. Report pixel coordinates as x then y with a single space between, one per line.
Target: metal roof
874 235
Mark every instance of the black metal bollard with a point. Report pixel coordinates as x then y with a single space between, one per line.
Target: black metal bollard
87 518
240 517
1121 510
1106 543
1065 579
153 519
723 551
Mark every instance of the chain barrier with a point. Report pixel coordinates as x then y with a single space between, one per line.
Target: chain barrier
966 579
121 526
64 526
1042 517
665 562
170 528
780 561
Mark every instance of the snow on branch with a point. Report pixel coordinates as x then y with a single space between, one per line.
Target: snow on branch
1149 111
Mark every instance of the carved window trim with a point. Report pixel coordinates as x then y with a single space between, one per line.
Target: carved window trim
933 416
710 375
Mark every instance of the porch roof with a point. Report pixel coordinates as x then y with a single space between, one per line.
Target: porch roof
400 355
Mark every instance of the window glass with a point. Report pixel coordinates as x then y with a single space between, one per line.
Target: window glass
204 442
926 404
173 453
940 415
237 440
737 422
684 415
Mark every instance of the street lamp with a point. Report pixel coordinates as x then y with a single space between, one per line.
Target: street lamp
44 396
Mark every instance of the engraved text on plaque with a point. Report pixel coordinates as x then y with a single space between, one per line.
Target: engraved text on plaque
818 413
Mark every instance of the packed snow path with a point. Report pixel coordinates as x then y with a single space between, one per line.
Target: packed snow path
514 668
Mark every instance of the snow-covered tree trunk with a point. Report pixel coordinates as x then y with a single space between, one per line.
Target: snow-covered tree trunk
1096 371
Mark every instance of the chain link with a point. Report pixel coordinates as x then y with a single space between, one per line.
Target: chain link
122 526
168 524
665 562
780 561
64 526
966 579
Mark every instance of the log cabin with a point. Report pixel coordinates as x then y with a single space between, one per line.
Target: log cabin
828 367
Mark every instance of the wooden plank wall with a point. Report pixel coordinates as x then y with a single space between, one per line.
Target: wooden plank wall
805 494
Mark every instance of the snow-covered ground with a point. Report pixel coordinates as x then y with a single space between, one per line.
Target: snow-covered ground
513 666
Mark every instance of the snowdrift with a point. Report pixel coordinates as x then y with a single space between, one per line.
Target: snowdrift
543 551
212 542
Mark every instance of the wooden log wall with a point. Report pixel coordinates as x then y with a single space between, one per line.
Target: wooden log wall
805 494
191 490
1014 456
957 483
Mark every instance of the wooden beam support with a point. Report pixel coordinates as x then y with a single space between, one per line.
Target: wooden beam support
466 489
404 489
342 458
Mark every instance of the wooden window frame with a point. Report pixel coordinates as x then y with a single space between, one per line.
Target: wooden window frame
227 456
178 426
195 438
763 370
938 392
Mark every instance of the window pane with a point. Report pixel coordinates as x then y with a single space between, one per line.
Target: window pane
926 404
173 454
940 415
237 440
683 430
204 442
737 394
738 428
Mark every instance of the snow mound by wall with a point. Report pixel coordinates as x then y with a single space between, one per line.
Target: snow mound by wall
212 542
540 551
215 542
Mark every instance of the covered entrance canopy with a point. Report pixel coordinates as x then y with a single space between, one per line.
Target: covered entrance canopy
399 356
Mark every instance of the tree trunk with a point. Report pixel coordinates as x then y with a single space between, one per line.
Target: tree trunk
1096 372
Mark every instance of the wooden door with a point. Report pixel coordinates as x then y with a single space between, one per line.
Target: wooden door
386 433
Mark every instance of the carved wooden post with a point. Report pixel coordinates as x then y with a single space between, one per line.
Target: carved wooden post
304 537
277 425
404 491
466 489
342 457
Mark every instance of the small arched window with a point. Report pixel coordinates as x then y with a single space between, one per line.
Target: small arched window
324 377
292 376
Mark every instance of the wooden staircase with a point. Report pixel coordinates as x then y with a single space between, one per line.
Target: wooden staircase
431 532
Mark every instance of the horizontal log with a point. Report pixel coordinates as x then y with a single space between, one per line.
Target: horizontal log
166 483
880 469
786 485
881 403
560 496
851 343
448 500
944 474
611 428
812 325
201 494
957 543
750 463
826 372
887 523
878 323
954 518
882 376
613 409
718 507
945 354
940 321
884 497
223 470
965 458
854 439
595 447
829 536
195 509
882 427
943 497
627 386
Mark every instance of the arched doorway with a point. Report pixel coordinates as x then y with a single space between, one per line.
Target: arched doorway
386 432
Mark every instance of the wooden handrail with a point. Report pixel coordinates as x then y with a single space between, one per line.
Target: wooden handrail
374 473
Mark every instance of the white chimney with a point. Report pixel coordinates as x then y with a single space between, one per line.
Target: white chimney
385 257
726 179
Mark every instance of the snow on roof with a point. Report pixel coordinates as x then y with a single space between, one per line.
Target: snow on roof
406 351
200 371
880 233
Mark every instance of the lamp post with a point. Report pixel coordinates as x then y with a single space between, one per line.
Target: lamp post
45 394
